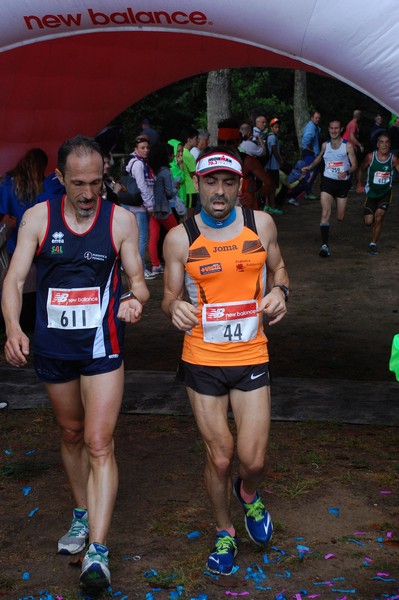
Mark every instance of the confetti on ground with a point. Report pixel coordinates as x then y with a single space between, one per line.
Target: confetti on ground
333 510
34 511
193 535
26 489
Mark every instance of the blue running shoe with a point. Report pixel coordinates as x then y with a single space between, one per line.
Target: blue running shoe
95 576
221 561
257 520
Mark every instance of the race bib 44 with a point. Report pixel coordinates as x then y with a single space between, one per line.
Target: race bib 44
230 321
76 308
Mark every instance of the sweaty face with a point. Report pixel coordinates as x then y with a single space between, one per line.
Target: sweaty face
383 144
82 180
218 193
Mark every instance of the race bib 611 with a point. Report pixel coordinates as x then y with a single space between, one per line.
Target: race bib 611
76 308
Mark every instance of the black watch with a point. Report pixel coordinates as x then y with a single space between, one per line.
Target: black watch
129 296
284 289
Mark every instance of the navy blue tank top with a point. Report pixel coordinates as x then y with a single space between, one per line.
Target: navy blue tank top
78 288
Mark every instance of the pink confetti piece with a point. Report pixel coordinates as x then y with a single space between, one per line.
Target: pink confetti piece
385 492
389 534
327 556
369 559
236 593
297 597
360 533
314 596
382 574
268 491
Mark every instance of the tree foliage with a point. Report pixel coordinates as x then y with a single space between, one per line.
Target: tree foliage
254 91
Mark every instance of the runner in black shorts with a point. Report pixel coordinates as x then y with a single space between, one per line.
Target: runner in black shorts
380 166
339 163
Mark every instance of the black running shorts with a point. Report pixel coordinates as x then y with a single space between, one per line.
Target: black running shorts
337 188
218 381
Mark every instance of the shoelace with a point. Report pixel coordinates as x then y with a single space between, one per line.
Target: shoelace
225 544
78 526
96 556
256 510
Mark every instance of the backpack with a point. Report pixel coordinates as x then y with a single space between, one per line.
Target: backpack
130 193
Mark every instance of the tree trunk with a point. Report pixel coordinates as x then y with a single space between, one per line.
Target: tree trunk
301 106
218 100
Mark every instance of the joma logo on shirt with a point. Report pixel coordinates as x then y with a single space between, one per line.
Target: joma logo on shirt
225 248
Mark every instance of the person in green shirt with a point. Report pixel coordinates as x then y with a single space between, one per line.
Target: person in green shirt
189 138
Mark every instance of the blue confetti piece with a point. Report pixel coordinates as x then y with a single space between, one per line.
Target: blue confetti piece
9 452
337 591
25 576
266 559
283 552
150 573
383 578
32 512
200 597
30 452
149 596
355 541
212 575
235 569
286 575
26 489
334 511
193 535
261 587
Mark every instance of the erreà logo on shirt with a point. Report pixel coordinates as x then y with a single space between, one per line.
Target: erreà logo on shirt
57 239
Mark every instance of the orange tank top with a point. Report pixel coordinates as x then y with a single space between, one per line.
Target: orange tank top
225 281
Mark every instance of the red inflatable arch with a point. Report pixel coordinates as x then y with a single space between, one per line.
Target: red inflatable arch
69 66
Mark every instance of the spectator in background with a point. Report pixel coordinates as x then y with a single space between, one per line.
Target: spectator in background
352 134
259 130
202 143
259 147
310 146
257 184
189 137
109 183
177 170
393 133
151 133
164 192
377 128
140 170
273 164
19 191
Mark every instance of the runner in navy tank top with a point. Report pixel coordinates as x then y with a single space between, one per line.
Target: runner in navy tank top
78 244
79 290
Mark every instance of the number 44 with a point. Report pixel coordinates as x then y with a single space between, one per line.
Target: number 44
236 335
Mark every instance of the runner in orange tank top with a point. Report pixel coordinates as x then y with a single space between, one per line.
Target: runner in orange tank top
227 262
